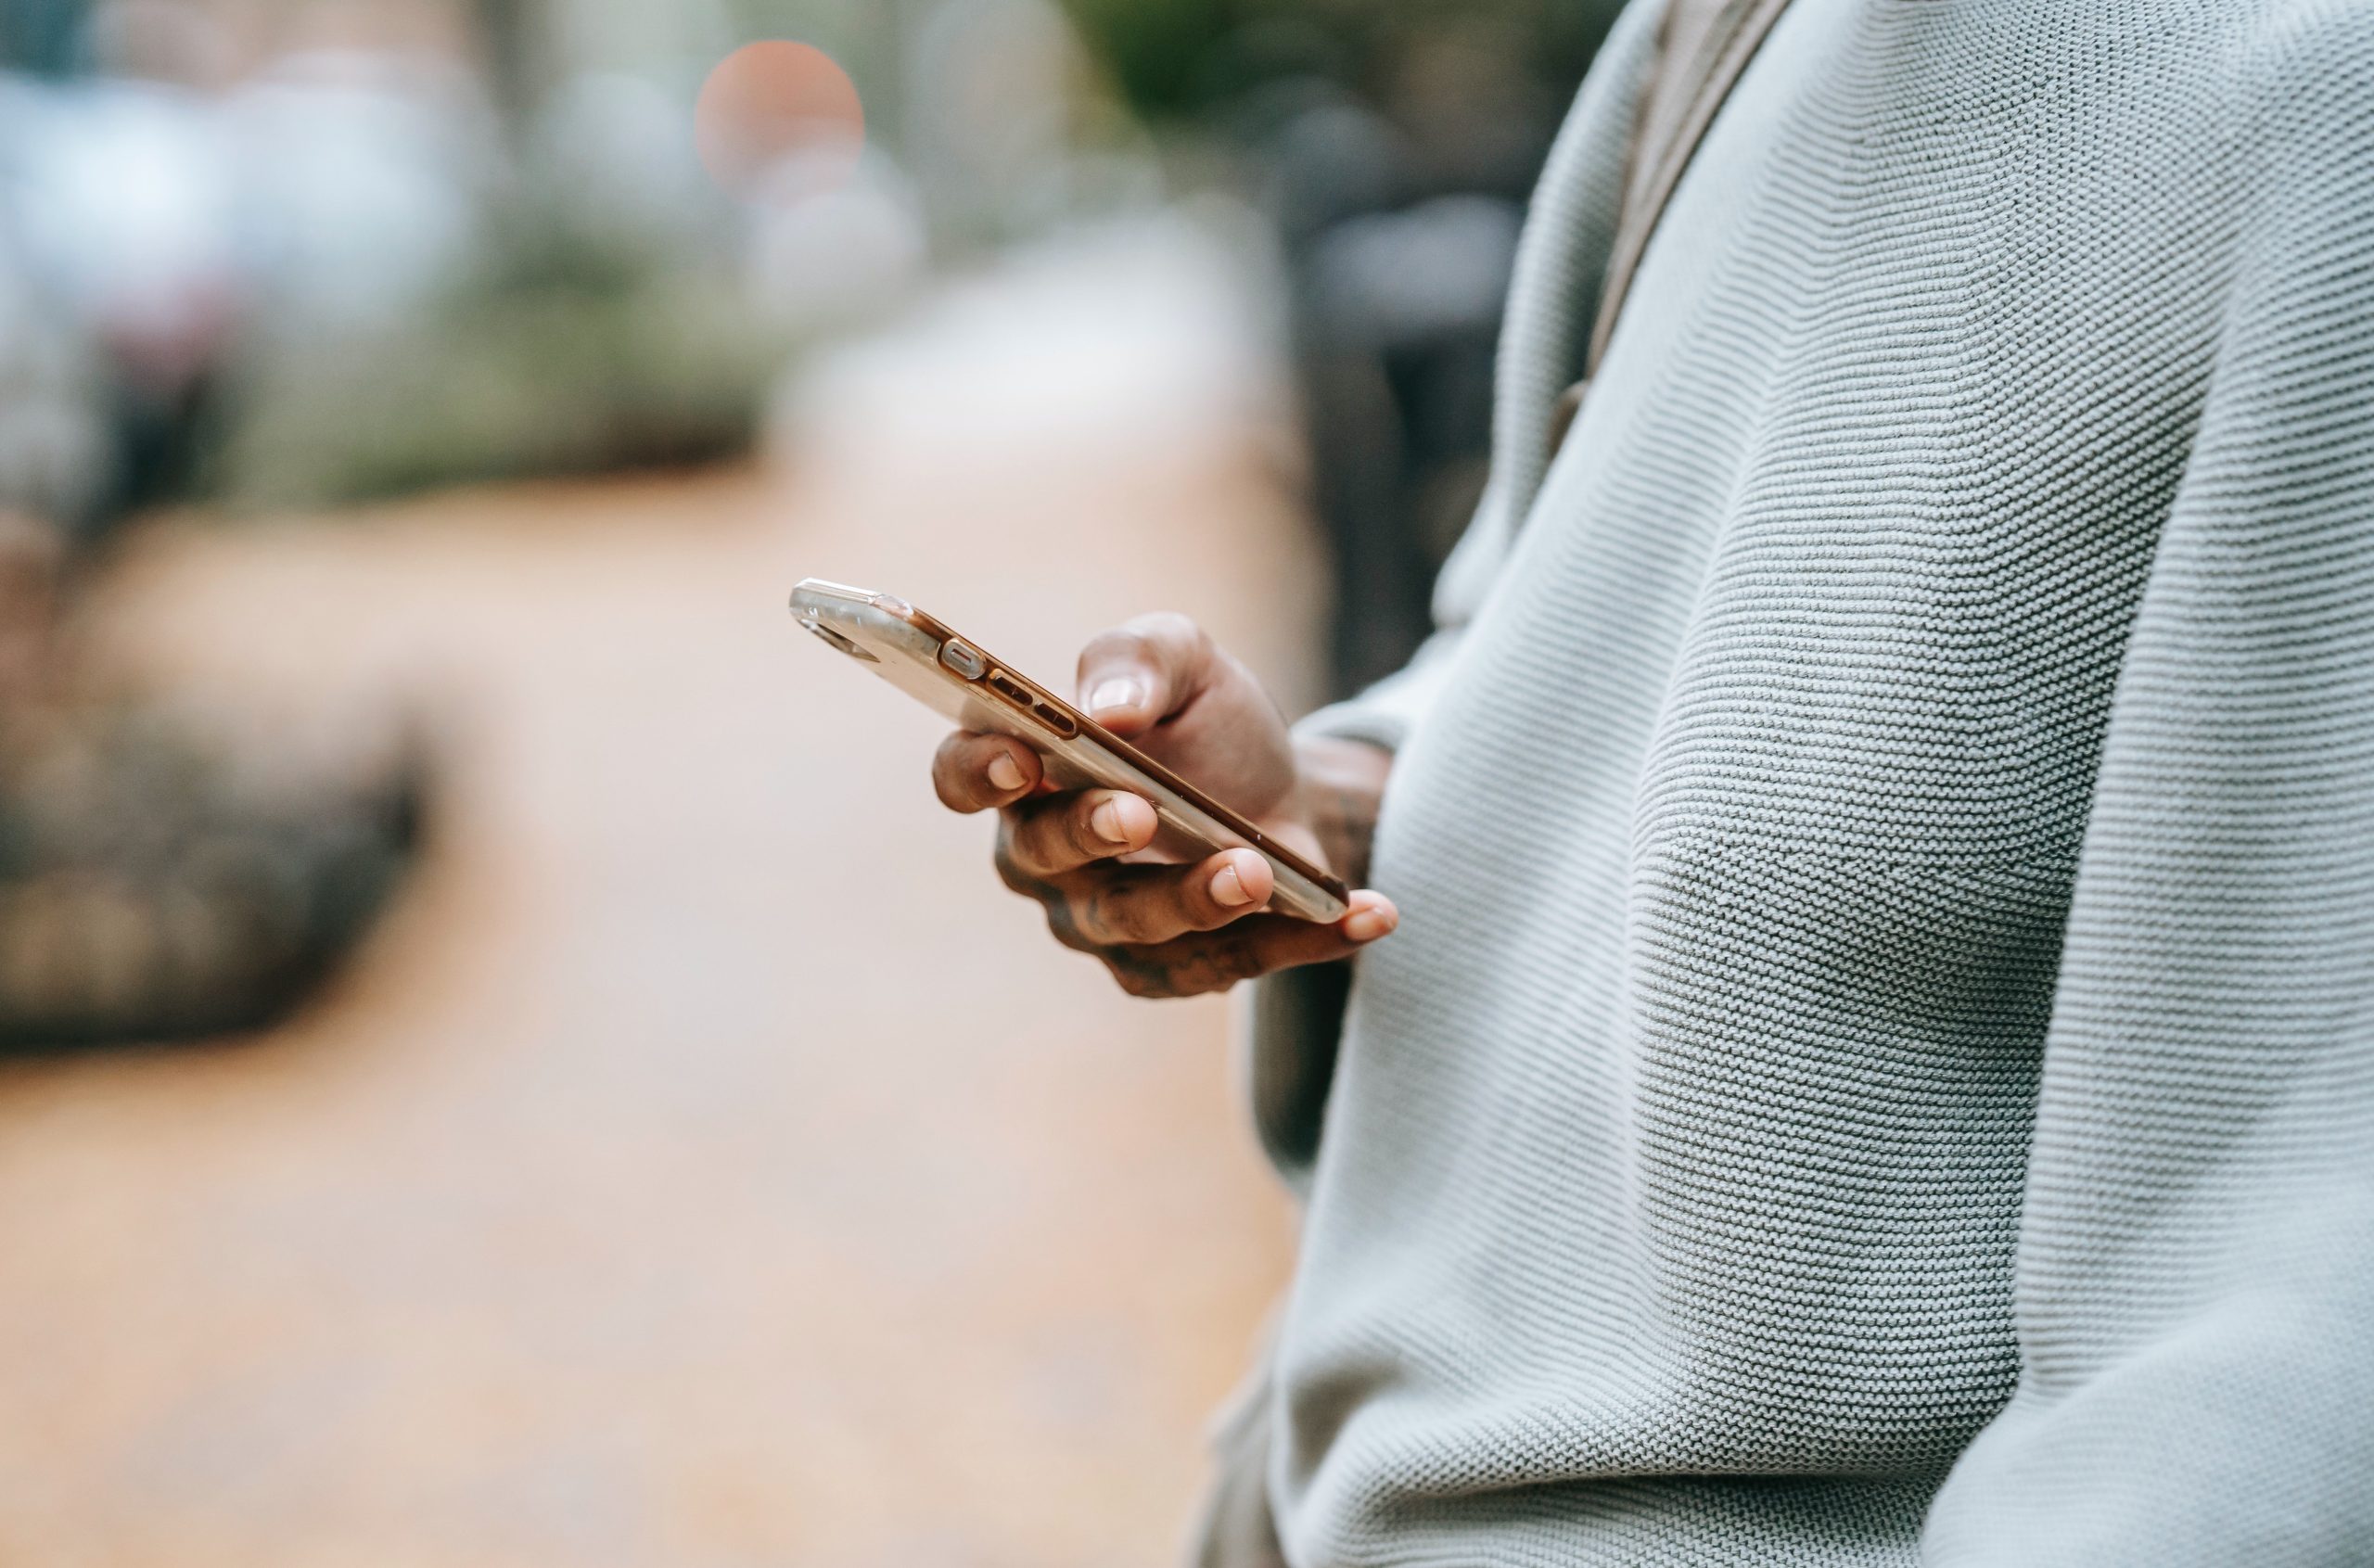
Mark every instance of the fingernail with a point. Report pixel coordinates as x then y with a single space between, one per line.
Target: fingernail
1227 888
1004 771
1115 694
1107 821
1368 924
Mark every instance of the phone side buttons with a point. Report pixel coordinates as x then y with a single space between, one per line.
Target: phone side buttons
1019 693
963 659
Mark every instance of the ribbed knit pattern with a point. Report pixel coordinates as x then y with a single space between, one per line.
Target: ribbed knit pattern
1878 1064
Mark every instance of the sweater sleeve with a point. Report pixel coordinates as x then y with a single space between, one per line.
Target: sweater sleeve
2194 1287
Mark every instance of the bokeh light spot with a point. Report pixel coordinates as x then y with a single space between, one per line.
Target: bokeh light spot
774 105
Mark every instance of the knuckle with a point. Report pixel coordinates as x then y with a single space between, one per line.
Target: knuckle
1090 917
1241 959
1220 965
1202 979
1092 914
1123 913
1146 971
1010 870
1035 847
1062 925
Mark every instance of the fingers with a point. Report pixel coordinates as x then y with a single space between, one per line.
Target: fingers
1062 833
1121 906
1215 961
974 772
1142 671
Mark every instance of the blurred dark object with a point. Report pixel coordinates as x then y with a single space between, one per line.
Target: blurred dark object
1393 145
43 37
1177 58
1395 314
163 877
158 885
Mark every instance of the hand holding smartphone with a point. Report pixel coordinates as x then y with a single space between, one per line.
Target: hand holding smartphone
1241 892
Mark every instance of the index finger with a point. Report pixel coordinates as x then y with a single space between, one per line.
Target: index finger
973 773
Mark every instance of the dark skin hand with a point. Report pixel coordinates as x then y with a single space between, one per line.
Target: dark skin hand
1173 927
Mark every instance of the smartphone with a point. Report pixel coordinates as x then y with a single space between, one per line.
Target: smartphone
962 682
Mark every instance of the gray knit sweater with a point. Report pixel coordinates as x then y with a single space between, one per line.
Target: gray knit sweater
1878 1064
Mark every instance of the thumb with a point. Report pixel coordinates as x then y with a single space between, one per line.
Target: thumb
1140 673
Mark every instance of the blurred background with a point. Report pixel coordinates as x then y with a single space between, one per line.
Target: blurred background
500 1059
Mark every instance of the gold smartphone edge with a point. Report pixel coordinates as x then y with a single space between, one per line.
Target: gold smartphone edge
941 632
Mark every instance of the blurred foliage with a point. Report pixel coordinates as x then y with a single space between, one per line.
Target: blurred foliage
567 346
560 353
1158 50
1175 57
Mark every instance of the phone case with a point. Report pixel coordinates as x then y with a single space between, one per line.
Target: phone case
957 679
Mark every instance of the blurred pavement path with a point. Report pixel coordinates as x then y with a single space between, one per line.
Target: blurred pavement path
709 1164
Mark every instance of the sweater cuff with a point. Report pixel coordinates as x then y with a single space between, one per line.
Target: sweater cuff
1385 713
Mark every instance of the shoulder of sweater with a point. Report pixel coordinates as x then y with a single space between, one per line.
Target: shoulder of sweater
2319 53
2295 84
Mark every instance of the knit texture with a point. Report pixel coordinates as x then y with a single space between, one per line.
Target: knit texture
1878 1063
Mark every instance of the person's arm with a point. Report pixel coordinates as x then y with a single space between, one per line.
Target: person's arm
2194 1286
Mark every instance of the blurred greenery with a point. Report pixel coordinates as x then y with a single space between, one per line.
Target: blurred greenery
569 347
560 353
1157 49
1178 58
